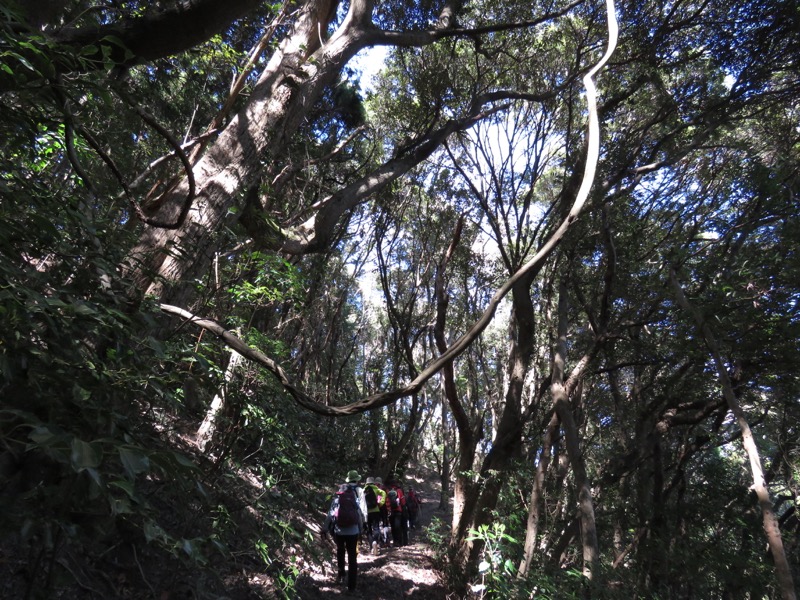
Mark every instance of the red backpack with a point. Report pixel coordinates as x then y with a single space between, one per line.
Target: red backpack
344 510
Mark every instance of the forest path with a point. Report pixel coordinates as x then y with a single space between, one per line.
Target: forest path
396 573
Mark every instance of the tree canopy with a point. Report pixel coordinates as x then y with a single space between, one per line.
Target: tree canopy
550 252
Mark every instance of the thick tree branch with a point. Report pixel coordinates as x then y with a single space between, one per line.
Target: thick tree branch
428 36
315 233
158 35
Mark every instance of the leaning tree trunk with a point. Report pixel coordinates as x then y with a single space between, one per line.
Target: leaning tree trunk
170 257
770 522
298 72
532 529
206 430
395 455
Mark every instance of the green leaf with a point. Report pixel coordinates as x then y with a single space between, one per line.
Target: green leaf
84 456
133 460
120 506
125 486
41 435
152 531
84 310
96 477
184 460
88 50
189 547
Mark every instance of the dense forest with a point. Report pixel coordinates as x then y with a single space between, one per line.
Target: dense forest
548 253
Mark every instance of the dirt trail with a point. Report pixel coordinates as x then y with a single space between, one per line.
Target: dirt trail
397 573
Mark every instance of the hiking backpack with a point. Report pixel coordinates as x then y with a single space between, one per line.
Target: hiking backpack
412 501
371 497
345 507
394 501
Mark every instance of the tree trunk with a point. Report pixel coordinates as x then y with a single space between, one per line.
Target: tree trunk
395 455
532 529
376 454
591 552
298 72
206 430
770 522
466 435
444 475
508 440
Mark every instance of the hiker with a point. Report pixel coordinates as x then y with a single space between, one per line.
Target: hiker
384 508
374 497
398 515
414 506
346 520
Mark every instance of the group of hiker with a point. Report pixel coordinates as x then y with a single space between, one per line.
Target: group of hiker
381 513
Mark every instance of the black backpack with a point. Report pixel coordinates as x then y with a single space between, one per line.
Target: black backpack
371 497
344 510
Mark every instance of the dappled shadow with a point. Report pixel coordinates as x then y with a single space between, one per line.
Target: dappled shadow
396 573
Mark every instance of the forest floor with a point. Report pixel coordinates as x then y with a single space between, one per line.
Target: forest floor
395 573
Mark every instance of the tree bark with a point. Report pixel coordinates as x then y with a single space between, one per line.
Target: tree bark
591 553
444 472
532 528
206 430
507 442
158 35
395 455
296 75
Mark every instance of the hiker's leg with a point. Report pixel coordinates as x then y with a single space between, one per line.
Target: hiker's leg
397 534
374 527
340 543
352 561
404 527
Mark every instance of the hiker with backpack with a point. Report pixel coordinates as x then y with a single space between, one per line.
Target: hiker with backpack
414 506
385 506
346 520
386 532
374 497
398 515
